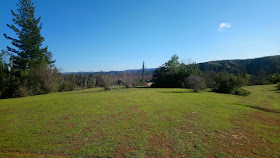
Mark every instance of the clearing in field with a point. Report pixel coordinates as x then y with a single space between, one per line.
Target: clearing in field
142 122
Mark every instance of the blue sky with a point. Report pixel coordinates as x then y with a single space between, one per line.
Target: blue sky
94 35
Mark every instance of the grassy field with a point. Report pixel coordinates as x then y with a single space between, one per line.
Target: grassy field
142 122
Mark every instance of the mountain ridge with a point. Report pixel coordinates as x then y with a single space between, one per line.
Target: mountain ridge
269 64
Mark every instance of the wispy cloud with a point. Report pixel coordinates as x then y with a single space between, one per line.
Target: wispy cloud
223 26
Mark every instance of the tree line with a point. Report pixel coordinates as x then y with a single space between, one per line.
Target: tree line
174 74
127 78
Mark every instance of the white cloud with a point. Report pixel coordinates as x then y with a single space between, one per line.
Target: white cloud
223 26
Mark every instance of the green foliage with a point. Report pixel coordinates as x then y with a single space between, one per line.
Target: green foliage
107 87
173 74
29 51
66 86
253 67
22 91
229 83
4 75
29 70
273 78
278 86
167 74
91 85
43 80
241 92
100 82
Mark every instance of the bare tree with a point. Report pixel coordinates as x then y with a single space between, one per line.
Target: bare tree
196 83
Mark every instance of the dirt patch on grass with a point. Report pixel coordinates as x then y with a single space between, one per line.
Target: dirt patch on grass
244 139
262 118
131 114
158 142
123 148
134 111
16 154
67 117
189 126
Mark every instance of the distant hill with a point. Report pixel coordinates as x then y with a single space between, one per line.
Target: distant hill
270 65
147 71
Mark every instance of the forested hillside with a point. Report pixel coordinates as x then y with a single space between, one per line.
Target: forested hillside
267 65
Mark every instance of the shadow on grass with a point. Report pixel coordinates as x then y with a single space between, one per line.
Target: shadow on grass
260 108
178 92
103 90
142 87
275 90
93 91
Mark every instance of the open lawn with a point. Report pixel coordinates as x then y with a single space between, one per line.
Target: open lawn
142 122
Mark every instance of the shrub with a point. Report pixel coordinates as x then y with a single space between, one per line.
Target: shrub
106 87
273 78
22 91
226 83
196 83
278 86
127 85
43 79
91 85
173 74
241 92
229 84
66 86
209 77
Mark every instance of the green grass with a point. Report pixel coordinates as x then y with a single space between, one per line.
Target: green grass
142 122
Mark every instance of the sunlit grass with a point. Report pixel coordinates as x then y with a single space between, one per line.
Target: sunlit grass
141 122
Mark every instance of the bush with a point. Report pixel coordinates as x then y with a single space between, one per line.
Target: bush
22 91
196 83
230 84
66 86
226 83
241 92
209 77
273 78
173 74
91 85
278 86
127 85
107 88
43 79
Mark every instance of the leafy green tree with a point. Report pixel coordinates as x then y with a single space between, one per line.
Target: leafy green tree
226 83
31 66
29 51
229 84
174 74
100 82
167 74
4 75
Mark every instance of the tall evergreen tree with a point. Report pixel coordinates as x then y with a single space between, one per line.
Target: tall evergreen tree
143 70
29 51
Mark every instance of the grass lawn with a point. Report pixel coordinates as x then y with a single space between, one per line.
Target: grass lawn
142 122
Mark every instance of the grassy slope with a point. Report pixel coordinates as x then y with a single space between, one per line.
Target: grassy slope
142 122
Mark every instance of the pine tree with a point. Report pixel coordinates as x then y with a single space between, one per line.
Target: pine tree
29 51
142 81
4 75
143 70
